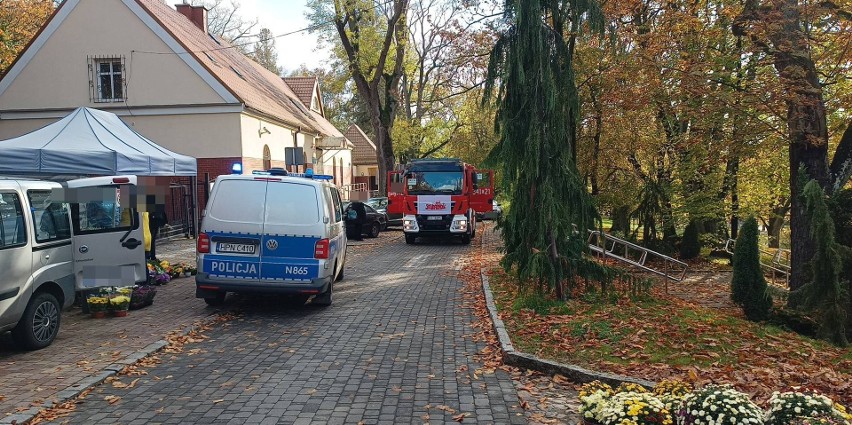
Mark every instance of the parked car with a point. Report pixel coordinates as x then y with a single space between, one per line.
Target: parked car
49 248
271 233
381 205
371 225
495 213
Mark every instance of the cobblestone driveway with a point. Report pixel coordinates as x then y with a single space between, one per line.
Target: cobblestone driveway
391 349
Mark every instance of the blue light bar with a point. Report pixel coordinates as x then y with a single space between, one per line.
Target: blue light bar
237 168
313 176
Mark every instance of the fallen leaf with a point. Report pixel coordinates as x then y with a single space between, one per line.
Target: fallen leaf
112 399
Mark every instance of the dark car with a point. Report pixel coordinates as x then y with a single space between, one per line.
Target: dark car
370 224
381 205
495 213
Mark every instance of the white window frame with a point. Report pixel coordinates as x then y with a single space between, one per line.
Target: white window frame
96 74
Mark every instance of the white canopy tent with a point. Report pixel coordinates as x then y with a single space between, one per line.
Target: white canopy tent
90 141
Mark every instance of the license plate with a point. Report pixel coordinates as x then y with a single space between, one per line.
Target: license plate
236 248
435 217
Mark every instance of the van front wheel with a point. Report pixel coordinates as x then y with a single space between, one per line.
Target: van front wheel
40 323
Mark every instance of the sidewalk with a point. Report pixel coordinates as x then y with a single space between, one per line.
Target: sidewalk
86 347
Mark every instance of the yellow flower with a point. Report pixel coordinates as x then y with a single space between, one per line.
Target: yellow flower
121 299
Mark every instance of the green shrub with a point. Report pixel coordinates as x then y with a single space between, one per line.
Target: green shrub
748 286
825 294
690 246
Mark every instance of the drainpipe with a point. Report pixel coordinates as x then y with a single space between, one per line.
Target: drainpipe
296 144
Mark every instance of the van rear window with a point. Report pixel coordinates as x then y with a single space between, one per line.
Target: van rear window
291 203
239 200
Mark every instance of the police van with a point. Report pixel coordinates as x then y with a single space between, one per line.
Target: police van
271 232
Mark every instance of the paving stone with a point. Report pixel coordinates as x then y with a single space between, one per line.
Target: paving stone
391 344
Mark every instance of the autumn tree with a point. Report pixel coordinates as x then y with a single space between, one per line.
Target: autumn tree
264 51
782 30
531 67
19 22
373 38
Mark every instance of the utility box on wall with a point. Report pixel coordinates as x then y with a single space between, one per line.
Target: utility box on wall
294 156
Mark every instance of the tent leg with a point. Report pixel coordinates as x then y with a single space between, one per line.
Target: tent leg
193 184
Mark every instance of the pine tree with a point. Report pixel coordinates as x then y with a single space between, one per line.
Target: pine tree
538 106
265 53
690 245
824 293
748 286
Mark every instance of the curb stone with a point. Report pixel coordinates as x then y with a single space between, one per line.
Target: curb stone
516 358
73 391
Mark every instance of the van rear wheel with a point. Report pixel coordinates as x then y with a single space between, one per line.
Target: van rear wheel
340 273
39 325
216 300
324 299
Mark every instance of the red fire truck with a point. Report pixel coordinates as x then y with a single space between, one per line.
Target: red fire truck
440 197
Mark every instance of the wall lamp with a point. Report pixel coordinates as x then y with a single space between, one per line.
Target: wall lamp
263 130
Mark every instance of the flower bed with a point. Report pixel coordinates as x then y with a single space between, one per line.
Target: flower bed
675 402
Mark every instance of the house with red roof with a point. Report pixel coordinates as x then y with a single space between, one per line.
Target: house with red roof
157 67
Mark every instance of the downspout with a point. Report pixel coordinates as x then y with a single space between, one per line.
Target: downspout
296 145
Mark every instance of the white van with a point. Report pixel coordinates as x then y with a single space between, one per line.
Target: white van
58 238
265 233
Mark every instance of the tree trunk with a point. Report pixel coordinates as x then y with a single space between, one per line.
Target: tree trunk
596 138
735 198
776 223
806 126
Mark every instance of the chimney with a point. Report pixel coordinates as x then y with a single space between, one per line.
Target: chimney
196 14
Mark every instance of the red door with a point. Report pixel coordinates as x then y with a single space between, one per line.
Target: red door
396 193
483 195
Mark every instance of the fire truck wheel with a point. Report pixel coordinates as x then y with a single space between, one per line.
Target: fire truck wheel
409 239
465 239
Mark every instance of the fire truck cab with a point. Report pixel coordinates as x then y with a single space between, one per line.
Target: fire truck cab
440 197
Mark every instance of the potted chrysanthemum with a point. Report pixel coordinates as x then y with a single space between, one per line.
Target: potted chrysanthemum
593 398
719 405
672 393
98 305
804 406
119 302
635 408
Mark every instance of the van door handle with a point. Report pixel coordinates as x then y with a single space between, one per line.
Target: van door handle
131 243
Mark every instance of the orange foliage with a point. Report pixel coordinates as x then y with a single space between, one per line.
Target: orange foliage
19 22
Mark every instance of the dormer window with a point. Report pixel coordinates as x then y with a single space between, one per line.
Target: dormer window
107 79
314 104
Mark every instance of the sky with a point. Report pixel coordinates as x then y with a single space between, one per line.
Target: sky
283 16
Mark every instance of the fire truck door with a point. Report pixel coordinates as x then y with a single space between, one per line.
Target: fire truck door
483 195
396 193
